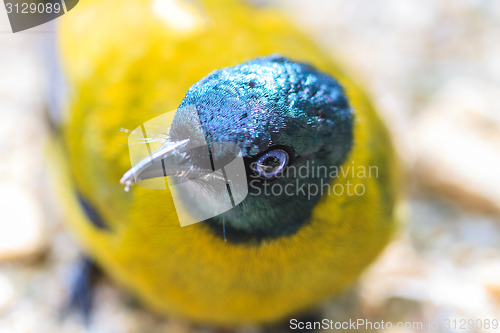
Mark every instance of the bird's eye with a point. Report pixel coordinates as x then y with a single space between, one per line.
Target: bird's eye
271 163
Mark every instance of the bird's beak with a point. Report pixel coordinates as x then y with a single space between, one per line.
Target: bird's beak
173 158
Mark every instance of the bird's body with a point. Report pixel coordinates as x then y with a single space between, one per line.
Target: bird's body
127 62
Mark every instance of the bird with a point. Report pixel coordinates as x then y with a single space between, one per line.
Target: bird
243 84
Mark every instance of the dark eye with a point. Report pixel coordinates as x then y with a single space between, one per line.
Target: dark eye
271 163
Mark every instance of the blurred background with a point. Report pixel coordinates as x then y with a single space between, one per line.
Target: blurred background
432 68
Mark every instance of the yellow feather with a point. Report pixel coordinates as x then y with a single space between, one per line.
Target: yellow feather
126 62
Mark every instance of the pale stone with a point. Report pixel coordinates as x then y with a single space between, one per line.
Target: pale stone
457 141
22 231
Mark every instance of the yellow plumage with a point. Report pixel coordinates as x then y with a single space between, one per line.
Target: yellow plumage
127 61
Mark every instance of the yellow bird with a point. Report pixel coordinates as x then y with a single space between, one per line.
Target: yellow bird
258 84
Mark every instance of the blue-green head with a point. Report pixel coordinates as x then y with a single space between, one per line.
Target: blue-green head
288 120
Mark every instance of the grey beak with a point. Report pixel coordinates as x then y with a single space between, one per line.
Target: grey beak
171 159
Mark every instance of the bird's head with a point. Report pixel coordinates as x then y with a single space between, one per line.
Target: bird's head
286 121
